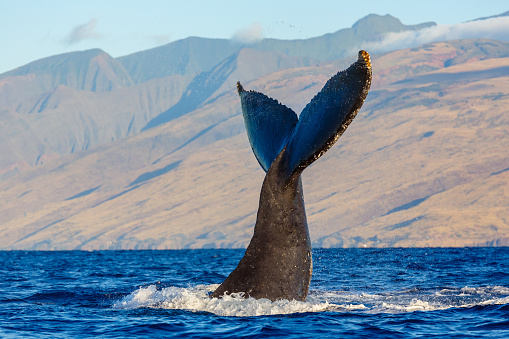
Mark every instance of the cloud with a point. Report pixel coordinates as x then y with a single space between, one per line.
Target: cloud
82 32
493 28
249 35
162 39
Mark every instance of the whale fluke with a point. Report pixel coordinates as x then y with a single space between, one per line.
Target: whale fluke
277 263
269 124
329 113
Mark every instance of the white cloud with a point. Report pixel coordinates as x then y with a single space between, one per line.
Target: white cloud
82 32
494 28
249 35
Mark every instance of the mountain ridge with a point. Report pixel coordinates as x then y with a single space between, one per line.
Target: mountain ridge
172 58
91 70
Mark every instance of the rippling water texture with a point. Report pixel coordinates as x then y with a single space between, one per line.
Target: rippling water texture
393 293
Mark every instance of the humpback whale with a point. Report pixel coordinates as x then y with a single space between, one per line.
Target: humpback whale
277 263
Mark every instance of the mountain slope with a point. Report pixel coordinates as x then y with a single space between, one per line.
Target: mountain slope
188 56
43 125
244 65
45 115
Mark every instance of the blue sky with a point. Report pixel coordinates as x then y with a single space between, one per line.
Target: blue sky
36 29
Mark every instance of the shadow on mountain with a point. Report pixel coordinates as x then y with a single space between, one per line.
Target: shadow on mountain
403 224
199 90
199 134
150 175
84 193
407 206
469 76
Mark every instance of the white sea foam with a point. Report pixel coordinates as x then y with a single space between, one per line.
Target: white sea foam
414 305
197 299
465 297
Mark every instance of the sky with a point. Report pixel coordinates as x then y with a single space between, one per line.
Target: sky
33 29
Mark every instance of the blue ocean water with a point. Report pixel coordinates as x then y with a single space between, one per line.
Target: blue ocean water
357 293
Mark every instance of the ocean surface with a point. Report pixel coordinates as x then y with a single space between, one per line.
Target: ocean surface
355 293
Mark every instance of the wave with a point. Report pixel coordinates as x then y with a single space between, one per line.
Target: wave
197 299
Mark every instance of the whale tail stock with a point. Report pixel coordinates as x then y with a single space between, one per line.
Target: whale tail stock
277 263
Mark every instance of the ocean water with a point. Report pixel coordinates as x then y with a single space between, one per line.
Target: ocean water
355 293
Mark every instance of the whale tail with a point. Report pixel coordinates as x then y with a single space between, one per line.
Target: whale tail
277 263
272 127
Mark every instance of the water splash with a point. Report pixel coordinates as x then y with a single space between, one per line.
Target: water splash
196 299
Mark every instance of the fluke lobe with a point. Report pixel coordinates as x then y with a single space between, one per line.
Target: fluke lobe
277 263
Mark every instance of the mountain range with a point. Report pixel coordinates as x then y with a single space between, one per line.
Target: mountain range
149 150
